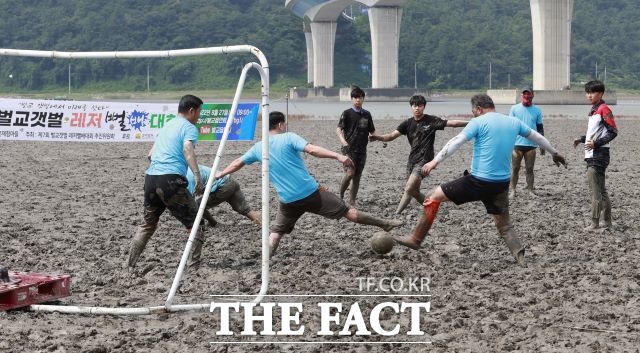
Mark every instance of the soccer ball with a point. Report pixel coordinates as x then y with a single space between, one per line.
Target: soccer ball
382 243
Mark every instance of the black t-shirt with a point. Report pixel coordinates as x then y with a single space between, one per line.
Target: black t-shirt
356 127
421 135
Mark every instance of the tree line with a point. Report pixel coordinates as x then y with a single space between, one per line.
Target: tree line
443 44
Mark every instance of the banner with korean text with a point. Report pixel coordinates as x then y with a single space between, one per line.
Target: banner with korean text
58 120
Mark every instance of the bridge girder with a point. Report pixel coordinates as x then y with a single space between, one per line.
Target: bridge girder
330 10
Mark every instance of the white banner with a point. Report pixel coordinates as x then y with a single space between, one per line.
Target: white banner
55 120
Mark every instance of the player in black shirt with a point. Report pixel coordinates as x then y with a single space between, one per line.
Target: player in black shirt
421 134
353 130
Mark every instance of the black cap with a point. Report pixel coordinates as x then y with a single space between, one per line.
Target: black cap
527 88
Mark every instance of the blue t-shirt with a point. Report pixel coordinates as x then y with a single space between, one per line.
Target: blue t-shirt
168 156
531 117
495 135
287 171
204 175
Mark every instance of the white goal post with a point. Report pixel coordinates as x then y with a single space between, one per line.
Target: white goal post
263 69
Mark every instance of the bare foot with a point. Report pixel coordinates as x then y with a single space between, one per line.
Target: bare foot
409 242
520 258
274 241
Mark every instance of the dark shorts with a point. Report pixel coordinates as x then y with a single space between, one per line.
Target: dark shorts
468 188
524 148
359 160
168 192
324 203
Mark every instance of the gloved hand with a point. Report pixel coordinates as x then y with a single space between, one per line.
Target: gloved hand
558 159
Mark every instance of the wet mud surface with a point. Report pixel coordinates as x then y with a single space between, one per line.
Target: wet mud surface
74 207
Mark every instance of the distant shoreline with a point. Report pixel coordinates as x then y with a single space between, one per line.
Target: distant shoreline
168 96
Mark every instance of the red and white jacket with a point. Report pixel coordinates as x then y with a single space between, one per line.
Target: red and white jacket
601 129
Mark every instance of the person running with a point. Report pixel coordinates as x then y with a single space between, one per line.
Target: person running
222 190
494 136
165 182
421 134
298 192
353 131
530 115
601 130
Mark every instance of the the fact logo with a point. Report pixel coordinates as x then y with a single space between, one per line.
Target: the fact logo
383 314
365 325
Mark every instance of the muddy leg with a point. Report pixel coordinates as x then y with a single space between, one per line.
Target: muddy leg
346 180
595 190
366 218
195 258
516 160
355 185
274 241
426 221
508 234
254 217
606 205
411 190
529 162
139 242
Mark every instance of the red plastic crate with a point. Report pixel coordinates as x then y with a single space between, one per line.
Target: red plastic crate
26 288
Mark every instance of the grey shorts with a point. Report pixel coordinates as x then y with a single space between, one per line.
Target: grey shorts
325 204
229 192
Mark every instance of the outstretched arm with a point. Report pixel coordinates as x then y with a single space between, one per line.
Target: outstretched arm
540 129
322 152
449 149
385 138
457 123
231 168
544 143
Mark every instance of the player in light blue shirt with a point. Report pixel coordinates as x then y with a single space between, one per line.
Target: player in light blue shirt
297 190
167 155
531 116
494 136
222 190
287 171
165 182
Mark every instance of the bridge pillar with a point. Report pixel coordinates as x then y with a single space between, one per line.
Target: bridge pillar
309 41
551 24
323 36
385 37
